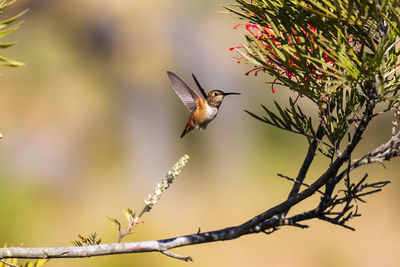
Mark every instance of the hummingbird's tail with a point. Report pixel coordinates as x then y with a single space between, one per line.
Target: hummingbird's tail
187 129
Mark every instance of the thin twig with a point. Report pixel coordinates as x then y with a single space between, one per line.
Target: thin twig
176 256
295 181
385 152
333 221
8 263
296 224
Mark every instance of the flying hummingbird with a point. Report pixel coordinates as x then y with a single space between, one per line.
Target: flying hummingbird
203 111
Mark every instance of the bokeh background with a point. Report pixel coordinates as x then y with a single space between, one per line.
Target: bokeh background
91 124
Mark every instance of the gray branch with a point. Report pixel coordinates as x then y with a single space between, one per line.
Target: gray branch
384 152
268 220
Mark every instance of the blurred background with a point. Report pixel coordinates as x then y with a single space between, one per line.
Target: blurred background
91 124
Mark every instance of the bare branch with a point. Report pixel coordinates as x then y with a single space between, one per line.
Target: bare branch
295 181
307 161
267 221
333 221
322 180
176 256
384 152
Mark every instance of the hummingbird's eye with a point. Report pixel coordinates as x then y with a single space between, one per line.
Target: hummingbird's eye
215 94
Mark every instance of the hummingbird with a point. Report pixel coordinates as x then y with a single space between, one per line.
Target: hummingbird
203 111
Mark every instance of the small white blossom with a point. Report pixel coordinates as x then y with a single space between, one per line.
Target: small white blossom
166 182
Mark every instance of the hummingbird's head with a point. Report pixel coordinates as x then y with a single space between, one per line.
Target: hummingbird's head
215 97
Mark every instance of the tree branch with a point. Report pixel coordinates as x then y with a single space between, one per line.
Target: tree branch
307 161
322 180
384 152
252 226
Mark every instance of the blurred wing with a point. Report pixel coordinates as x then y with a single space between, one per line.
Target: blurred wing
199 86
184 92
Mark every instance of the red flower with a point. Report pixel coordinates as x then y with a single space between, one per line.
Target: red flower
261 33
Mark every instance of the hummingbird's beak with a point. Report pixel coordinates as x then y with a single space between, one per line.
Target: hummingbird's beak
225 94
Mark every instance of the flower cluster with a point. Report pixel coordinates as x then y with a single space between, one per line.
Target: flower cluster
166 182
266 41
261 34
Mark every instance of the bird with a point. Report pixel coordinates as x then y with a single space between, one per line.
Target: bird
203 111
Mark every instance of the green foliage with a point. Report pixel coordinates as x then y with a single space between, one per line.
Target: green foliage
291 119
115 222
338 54
37 263
5 29
129 214
92 239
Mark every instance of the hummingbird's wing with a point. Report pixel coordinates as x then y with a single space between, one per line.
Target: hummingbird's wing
184 92
200 88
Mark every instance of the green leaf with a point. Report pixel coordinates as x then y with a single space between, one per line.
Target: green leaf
275 119
284 116
7 31
115 222
92 239
40 262
129 214
6 22
11 63
6 3
7 45
257 117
